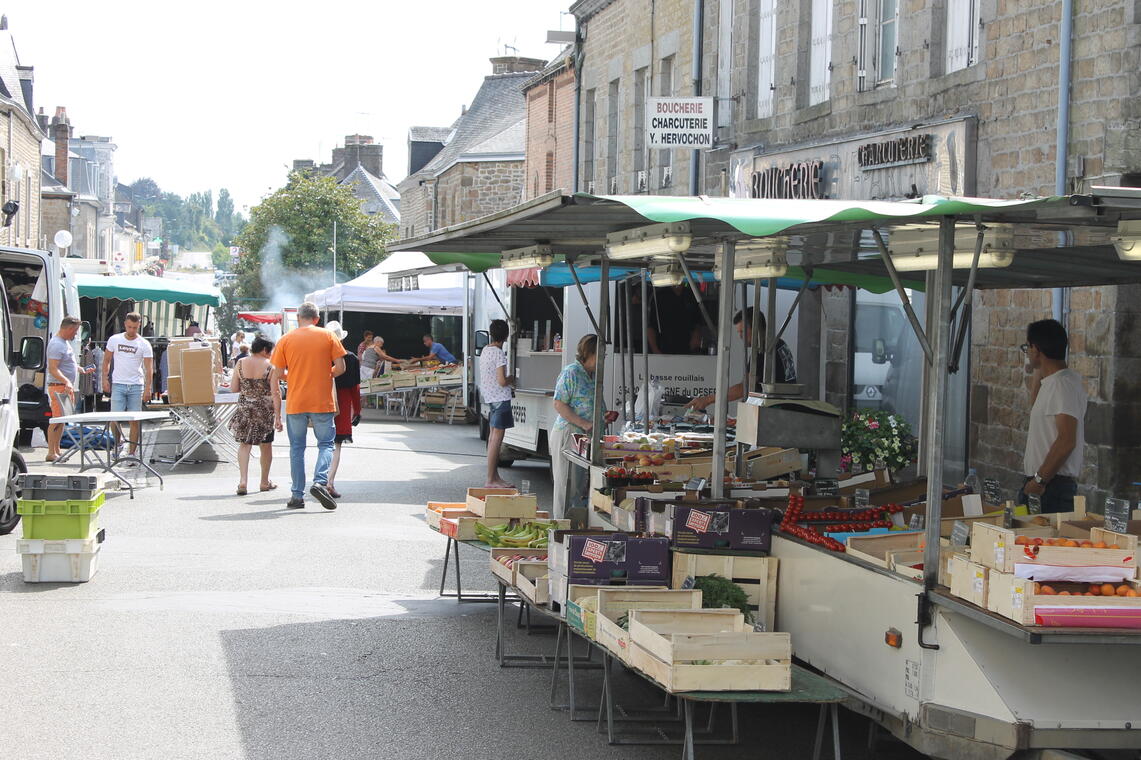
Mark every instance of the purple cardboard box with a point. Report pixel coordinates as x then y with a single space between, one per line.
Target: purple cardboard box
618 556
721 527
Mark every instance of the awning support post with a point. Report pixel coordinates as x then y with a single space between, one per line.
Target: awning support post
696 293
724 347
899 289
554 304
582 293
597 429
770 333
621 340
795 303
645 352
498 300
936 391
967 299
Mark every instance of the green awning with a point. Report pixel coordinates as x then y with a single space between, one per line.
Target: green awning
476 262
145 287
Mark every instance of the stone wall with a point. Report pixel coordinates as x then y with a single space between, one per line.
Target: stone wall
55 215
22 139
468 191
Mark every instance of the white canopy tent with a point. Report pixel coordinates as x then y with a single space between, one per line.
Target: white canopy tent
441 294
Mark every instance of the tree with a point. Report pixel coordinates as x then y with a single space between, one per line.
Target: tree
287 241
224 216
145 191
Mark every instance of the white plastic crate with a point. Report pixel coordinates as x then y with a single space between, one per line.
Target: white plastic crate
72 560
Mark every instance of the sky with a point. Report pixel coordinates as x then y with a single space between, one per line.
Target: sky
206 94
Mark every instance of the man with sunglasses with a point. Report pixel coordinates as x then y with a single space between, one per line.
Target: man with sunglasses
1056 438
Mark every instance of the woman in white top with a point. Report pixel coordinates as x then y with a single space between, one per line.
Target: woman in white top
495 388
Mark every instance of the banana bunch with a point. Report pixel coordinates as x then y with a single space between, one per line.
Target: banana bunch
531 535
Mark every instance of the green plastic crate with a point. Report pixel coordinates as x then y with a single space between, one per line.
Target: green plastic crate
57 520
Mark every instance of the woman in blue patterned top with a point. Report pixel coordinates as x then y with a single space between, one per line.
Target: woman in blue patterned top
574 404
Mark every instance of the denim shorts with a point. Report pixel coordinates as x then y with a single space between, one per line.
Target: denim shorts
126 398
500 415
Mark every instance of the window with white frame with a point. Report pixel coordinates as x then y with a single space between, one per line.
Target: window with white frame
961 35
820 62
666 90
766 58
878 43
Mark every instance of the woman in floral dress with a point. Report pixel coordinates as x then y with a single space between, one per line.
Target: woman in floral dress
258 404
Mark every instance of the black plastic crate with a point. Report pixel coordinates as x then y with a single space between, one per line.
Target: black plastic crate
38 487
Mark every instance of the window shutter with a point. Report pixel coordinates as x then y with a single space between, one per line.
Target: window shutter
766 62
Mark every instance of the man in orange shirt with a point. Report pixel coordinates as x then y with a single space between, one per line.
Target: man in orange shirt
308 358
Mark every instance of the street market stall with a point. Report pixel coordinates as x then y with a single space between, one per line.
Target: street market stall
167 300
966 679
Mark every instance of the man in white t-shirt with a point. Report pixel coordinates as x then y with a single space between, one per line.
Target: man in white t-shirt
1056 437
130 382
495 389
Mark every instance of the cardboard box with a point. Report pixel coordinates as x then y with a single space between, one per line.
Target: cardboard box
617 556
558 547
197 376
969 580
501 502
174 393
698 527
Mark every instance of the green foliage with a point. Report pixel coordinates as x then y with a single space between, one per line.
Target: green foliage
304 210
718 592
220 257
191 223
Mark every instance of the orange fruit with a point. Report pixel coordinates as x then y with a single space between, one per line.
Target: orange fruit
1099 545
1114 546
1087 544
1087 594
1070 544
1107 589
1094 589
1131 592
1047 590
1063 593
1020 540
1123 590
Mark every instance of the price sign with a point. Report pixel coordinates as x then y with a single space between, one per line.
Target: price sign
992 491
1034 503
827 487
863 498
1117 515
687 584
960 533
1008 515
916 522
696 484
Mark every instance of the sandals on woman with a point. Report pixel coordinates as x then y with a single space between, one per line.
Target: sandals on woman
241 491
269 487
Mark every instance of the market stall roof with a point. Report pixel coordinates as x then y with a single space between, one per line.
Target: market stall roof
261 317
145 287
439 293
1059 241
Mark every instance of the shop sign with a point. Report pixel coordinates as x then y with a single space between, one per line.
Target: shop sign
900 151
1117 515
679 123
889 165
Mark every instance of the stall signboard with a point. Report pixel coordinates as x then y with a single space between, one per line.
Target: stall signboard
1034 504
929 159
527 410
827 487
960 533
685 123
992 491
863 498
916 522
1117 515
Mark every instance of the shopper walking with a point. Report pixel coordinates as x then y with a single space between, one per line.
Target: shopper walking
1056 438
130 382
307 359
258 413
348 411
496 389
574 404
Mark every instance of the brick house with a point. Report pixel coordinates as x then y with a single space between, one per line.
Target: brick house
549 160
19 147
972 87
479 168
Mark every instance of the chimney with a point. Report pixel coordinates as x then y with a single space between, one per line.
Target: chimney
42 120
61 135
513 64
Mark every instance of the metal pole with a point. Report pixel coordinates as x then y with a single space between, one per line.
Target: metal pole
698 46
754 342
724 347
466 327
630 357
889 265
936 389
334 251
582 293
771 331
597 430
621 344
696 293
742 465
645 350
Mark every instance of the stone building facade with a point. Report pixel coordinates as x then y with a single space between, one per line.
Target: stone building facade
549 159
479 168
20 137
974 83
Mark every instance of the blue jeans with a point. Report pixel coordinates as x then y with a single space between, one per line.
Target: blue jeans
126 398
323 430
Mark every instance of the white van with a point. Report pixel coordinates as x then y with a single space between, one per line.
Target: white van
28 356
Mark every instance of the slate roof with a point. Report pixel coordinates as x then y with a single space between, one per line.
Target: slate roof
429 134
489 126
10 86
50 184
376 192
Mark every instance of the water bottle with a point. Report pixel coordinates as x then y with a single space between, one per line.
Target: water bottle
973 483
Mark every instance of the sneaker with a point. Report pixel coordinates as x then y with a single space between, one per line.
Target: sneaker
295 503
321 494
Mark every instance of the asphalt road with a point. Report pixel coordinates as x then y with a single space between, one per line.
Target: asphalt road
226 627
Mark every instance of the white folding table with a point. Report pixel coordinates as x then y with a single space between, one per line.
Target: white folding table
112 458
205 423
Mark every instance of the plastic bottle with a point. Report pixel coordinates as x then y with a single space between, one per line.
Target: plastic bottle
972 482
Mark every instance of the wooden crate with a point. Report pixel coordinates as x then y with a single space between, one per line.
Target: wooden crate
613 603
532 581
580 615
875 548
902 561
1126 541
995 547
461 527
667 645
757 577
969 580
438 509
767 462
501 502
1015 598
508 574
